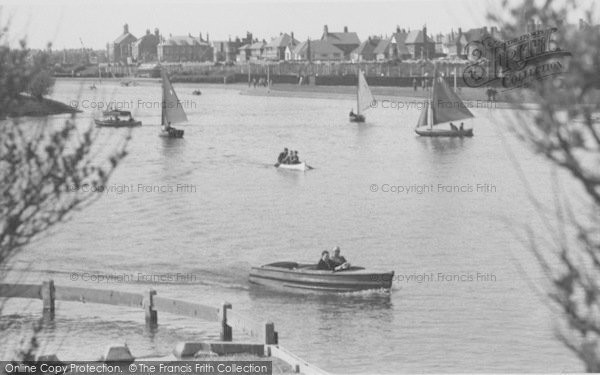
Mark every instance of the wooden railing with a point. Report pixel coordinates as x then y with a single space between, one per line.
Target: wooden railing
151 304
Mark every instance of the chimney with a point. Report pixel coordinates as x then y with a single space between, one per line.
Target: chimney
156 32
345 29
125 29
397 28
325 30
200 36
147 31
292 35
207 38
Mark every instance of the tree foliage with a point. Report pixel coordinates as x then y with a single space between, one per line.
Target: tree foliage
566 130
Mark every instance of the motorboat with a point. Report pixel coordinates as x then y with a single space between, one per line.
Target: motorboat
117 119
307 278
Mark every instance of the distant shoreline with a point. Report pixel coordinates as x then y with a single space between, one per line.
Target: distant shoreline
474 97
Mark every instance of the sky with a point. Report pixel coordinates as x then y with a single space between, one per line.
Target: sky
69 23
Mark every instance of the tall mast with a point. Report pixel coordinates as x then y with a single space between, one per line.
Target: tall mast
430 112
357 92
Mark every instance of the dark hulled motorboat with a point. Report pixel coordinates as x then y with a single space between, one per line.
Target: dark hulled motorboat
306 278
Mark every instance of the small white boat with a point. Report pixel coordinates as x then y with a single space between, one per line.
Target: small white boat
294 167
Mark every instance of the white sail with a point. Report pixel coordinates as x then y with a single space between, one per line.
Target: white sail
172 110
364 96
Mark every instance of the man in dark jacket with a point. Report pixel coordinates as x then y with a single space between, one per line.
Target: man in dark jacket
325 263
282 156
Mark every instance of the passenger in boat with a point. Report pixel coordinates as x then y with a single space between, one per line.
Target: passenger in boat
282 156
352 114
453 127
462 126
338 260
325 263
295 158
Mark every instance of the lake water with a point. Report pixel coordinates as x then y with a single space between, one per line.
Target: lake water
462 299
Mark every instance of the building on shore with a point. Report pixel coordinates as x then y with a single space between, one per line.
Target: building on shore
275 49
145 49
346 41
120 51
473 36
186 48
383 51
317 50
454 43
398 49
257 50
366 50
229 50
243 54
420 45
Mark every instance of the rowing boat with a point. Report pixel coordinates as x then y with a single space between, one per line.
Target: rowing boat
306 278
294 167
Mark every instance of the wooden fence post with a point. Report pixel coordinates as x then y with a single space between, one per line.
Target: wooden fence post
48 296
226 333
270 334
151 313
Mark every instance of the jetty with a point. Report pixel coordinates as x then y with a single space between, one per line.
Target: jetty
264 342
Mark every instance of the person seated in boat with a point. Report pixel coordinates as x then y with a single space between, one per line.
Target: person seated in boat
462 126
288 158
325 264
453 127
295 158
166 127
352 114
338 260
282 156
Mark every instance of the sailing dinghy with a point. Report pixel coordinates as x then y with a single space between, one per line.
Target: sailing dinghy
443 107
364 99
172 111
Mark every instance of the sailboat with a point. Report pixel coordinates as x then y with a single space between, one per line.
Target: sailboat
172 111
443 106
364 99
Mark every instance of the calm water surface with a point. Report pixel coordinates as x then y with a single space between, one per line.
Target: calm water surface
244 212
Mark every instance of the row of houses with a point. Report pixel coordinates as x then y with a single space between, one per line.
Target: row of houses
344 45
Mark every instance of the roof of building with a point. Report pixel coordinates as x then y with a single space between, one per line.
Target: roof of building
282 40
341 38
382 46
367 47
123 37
417 36
245 47
399 38
257 45
321 47
183 40
147 36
